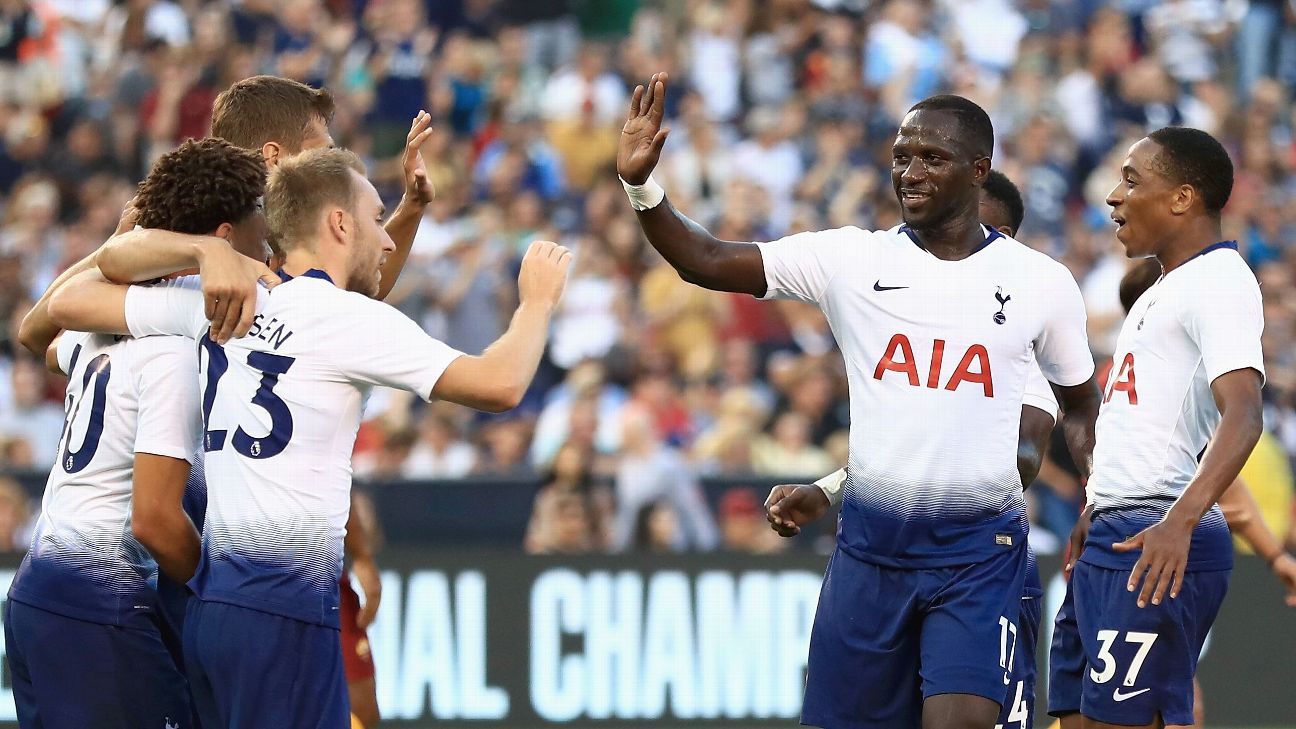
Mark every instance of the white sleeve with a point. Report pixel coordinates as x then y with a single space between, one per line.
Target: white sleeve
169 404
1226 321
1062 348
385 347
173 307
1038 394
800 266
831 485
67 344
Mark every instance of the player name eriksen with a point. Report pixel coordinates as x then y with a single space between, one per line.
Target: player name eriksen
272 332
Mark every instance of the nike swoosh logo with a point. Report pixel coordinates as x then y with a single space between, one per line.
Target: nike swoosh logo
877 286
1118 696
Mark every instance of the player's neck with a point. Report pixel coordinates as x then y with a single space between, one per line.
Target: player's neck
1188 243
953 239
298 262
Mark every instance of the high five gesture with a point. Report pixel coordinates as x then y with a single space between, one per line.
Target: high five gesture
696 254
643 137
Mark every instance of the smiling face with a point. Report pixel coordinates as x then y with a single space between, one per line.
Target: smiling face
935 175
1144 202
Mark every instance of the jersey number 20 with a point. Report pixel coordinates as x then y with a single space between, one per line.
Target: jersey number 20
271 366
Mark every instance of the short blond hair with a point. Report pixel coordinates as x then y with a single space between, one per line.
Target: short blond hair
301 187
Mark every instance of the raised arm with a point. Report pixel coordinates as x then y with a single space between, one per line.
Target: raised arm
497 380
699 257
404 222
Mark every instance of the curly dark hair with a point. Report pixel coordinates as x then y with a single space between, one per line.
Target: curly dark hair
200 185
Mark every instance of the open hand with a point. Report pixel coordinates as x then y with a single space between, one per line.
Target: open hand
544 274
642 137
1164 561
791 506
418 189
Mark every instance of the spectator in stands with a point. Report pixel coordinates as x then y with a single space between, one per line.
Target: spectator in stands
441 452
15 517
31 418
648 472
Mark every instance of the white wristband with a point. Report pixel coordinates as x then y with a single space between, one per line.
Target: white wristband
831 485
646 196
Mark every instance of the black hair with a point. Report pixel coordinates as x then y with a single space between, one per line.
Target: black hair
1001 190
199 185
975 126
1192 157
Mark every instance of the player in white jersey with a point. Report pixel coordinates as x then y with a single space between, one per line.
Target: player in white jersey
281 410
87 637
937 321
279 118
1003 210
1181 413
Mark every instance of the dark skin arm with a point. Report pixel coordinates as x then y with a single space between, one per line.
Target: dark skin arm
699 257
158 518
1164 545
1080 405
1032 442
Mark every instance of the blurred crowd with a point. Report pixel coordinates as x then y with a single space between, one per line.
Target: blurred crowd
782 116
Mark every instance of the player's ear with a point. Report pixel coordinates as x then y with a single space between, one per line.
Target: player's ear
339 223
1005 230
271 151
224 231
1182 199
980 170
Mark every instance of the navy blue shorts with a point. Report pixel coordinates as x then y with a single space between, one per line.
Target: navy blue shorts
75 674
1138 662
1066 660
885 639
254 670
1018 711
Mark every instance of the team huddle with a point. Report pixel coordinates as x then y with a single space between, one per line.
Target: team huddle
187 567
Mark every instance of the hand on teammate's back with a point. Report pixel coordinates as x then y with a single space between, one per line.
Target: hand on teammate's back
543 274
229 283
642 137
791 506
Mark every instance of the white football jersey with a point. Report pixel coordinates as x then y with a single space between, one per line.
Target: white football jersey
124 396
1202 320
938 354
1038 394
281 410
